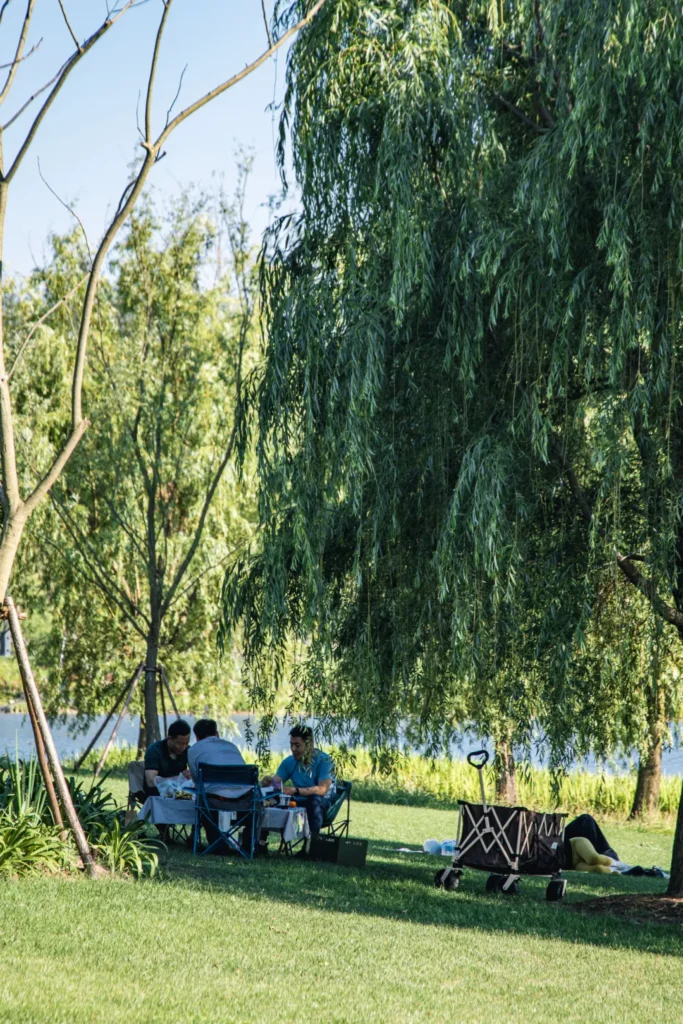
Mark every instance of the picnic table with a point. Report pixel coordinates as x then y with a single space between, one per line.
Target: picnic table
290 822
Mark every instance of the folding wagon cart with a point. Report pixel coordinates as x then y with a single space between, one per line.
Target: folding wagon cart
506 841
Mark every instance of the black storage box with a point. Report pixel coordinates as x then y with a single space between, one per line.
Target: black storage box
338 850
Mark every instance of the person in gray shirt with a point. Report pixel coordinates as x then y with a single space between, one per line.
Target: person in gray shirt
210 748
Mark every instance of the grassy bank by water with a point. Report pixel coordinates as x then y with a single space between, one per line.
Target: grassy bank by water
216 940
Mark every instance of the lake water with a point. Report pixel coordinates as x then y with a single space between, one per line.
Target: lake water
16 733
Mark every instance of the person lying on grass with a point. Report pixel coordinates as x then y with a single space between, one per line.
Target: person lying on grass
167 758
586 849
307 776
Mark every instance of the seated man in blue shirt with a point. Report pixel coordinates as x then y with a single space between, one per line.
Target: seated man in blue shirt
310 774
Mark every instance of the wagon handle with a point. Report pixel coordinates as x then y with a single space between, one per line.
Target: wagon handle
478 758
482 754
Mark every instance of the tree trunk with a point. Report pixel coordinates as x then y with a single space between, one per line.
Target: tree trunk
506 783
675 887
646 799
151 686
142 738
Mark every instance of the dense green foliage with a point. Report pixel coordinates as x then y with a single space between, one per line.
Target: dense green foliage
151 506
470 426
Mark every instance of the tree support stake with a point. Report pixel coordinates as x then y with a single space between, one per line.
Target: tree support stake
31 689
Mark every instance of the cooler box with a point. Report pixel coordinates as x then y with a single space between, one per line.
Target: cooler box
338 850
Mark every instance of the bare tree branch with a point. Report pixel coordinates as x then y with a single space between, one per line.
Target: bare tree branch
230 82
105 581
41 321
175 98
204 572
31 98
56 468
153 69
127 528
66 206
3 67
68 25
265 22
518 113
4 8
192 550
20 49
90 574
59 80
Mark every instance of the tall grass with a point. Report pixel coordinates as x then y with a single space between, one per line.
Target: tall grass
421 782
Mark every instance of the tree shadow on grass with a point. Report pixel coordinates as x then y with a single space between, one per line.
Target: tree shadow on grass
400 887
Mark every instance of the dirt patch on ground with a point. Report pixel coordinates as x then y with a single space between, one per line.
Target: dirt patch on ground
643 908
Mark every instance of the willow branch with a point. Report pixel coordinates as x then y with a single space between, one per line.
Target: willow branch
20 49
518 113
643 583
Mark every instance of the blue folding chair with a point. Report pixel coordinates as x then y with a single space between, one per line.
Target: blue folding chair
248 809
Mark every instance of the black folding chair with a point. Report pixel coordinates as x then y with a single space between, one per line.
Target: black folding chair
330 825
247 808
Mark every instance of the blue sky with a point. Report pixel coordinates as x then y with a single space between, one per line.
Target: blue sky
89 137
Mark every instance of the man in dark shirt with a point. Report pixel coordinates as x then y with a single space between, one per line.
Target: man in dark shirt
168 757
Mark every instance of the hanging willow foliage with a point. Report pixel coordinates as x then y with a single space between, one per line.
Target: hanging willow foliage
470 433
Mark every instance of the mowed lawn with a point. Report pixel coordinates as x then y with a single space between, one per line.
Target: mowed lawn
215 939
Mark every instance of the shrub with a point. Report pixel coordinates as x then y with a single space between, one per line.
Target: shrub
22 790
27 845
127 850
95 806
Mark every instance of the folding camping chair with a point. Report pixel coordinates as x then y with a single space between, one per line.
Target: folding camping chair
136 786
246 808
340 828
137 797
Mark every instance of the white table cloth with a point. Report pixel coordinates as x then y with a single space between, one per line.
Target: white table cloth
292 822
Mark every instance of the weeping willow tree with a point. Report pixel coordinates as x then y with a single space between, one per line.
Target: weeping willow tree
470 416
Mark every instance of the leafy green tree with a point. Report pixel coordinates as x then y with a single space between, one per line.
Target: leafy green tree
470 414
153 506
30 110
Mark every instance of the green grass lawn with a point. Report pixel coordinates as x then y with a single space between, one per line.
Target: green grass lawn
216 940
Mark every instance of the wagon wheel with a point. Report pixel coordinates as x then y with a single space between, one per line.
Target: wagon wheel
556 890
495 883
446 878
